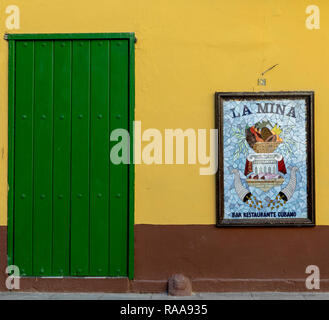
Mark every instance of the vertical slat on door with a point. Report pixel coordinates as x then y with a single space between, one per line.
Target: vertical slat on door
43 155
99 158
118 173
80 158
62 158
11 154
23 181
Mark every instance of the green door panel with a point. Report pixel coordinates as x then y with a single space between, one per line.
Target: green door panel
69 209
80 157
42 157
118 172
99 158
62 158
23 160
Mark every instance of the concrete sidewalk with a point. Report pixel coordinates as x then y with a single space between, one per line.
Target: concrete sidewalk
196 296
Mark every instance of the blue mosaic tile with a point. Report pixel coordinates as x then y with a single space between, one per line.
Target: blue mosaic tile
292 148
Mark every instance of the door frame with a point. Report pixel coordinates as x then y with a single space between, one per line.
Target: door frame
12 38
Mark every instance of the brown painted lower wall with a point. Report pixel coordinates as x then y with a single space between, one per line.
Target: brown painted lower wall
232 259
215 259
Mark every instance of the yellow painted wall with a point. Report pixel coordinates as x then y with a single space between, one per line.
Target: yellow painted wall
187 50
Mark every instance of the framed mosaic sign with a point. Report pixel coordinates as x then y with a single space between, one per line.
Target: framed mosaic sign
265 171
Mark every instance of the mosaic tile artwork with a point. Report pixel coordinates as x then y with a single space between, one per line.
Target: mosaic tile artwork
265 170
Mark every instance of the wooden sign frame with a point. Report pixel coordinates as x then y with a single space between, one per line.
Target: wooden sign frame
267 212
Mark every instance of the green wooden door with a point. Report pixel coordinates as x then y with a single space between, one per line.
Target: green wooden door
70 209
